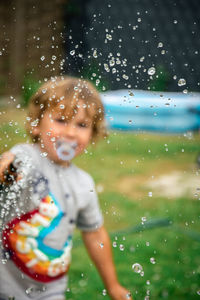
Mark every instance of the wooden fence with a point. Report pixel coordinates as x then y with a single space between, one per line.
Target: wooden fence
31 41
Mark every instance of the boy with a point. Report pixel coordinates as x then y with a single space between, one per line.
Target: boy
65 115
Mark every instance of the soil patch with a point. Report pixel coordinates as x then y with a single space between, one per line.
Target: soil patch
171 185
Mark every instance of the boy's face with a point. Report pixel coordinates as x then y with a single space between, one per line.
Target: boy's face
53 127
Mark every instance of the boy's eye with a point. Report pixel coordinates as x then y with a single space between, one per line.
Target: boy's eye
60 120
82 124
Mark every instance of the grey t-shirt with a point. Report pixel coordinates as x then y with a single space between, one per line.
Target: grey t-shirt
40 219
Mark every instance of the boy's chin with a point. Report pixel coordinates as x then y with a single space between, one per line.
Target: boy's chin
56 160
62 162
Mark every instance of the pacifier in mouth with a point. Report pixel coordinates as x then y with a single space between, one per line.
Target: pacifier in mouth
66 150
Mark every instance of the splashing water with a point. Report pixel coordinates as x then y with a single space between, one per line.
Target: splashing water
10 195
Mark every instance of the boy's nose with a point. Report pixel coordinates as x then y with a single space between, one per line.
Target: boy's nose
70 131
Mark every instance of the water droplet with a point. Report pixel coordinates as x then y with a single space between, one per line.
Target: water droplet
33 291
99 188
44 154
104 292
121 247
72 52
44 91
62 106
42 58
185 91
151 71
106 67
148 282
112 63
53 57
101 245
125 76
109 37
181 82
142 273
148 292
143 219
114 244
114 70
150 194
147 244
160 45
198 292
152 260
137 268
4 261
29 290
128 296
95 54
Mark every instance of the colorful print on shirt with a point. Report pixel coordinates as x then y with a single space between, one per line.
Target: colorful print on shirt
24 236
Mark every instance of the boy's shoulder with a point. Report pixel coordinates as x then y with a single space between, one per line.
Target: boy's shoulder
83 176
26 151
18 148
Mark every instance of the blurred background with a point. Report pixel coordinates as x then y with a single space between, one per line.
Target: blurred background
118 41
148 181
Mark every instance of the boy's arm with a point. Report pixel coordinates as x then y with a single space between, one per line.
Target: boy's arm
99 249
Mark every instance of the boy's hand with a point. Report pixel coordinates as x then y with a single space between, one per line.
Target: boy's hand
6 167
118 292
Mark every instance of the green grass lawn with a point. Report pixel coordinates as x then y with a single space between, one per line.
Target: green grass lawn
121 166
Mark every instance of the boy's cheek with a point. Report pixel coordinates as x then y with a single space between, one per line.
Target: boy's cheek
79 150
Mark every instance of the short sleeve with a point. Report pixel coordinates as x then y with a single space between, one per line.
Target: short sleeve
20 149
90 217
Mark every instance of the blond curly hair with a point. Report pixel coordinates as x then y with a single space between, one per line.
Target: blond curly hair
63 94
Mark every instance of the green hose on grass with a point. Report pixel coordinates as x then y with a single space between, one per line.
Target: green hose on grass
151 224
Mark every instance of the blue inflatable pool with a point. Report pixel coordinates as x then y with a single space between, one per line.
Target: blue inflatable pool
152 111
